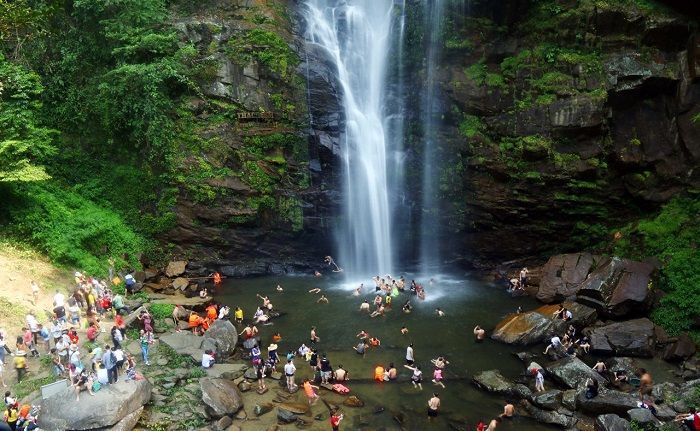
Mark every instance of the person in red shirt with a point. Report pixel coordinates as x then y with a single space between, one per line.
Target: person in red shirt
92 333
73 335
119 323
335 420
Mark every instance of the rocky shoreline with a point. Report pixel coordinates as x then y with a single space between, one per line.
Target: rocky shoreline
609 299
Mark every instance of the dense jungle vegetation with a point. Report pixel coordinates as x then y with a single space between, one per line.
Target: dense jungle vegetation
92 133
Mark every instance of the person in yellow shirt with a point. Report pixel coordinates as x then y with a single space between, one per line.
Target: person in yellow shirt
20 362
238 314
11 416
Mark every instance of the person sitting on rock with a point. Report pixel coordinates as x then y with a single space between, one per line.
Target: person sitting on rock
584 343
208 359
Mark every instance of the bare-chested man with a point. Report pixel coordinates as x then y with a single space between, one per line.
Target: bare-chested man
646 383
508 410
433 406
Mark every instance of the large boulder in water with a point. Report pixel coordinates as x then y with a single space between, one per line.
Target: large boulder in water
538 325
562 275
611 422
493 381
607 401
221 337
631 338
221 396
110 405
572 372
562 417
618 287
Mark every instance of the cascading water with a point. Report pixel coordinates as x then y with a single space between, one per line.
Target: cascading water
357 38
429 247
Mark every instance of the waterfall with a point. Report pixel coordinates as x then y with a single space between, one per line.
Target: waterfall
357 36
430 211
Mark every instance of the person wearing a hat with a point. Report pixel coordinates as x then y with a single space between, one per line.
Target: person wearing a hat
20 362
272 355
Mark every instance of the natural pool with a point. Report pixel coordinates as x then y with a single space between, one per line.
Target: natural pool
467 301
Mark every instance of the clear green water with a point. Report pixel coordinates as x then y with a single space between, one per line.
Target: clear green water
466 302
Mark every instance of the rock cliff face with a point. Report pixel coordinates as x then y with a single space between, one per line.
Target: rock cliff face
560 120
556 120
256 194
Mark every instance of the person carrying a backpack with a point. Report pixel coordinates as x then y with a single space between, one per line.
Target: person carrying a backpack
109 360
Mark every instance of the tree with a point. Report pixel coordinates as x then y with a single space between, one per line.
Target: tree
23 142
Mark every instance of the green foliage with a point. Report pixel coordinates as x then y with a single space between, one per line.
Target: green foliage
672 237
471 126
71 230
161 311
256 177
27 387
196 373
692 398
480 74
267 47
24 143
175 360
511 152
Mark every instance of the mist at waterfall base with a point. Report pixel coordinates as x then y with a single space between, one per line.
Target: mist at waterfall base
466 301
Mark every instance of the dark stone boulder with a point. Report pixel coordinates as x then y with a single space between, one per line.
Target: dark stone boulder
642 417
221 337
618 287
221 396
607 401
562 275
538 325
682 349
572 372
611 422
631 338
285 416
561 417
493 381
548 400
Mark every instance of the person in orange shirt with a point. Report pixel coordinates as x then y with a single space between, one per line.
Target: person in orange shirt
212 312
217 279
309 391
194 322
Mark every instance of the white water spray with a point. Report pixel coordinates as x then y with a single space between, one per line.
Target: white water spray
357 36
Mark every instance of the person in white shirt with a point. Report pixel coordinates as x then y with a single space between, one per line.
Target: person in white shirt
207 359
554 343
289 370
223 312
409 354
59 299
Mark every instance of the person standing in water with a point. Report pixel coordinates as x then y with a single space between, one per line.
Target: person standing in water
313 336
417 376
433 406
479 334
409 354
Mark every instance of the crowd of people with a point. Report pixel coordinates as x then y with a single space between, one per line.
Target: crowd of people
335 377
76 335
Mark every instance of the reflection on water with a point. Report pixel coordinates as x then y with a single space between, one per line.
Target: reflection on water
466 302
